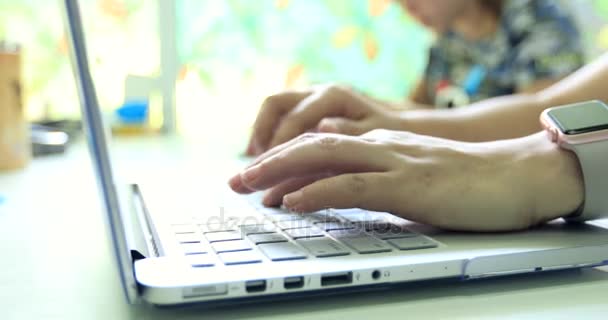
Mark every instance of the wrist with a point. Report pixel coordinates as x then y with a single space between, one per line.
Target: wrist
424 122
404 121
552 178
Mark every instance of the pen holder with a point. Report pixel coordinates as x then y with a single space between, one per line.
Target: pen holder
15 146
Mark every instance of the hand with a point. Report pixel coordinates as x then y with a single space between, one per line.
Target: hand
327 108
493 186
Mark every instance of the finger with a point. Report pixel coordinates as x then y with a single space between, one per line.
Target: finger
237 186
325 154
268 153
342 126
250 151
358 190
356 128
307 114
271 112
274 196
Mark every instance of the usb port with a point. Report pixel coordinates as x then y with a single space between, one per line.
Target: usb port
293 282
255 286
338 278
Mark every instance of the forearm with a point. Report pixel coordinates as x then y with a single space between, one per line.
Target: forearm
406 105
494 119
510 116
417 99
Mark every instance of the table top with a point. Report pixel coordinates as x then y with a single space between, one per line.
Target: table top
57 261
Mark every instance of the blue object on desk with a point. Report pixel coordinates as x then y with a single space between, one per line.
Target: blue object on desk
133 112
2 199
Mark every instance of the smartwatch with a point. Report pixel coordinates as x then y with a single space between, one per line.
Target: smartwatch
583 129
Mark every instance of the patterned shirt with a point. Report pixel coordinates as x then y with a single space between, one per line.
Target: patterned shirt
535 39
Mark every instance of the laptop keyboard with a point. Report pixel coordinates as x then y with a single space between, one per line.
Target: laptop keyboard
284 236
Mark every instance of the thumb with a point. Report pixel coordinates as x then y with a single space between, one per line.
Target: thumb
342 126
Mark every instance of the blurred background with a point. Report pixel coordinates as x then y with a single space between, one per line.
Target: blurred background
232 53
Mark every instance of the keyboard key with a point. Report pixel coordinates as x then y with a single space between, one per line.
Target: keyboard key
324 247
303 233
269 211
188 237
322 216
258 228
285 217
384 235
230 222
344 212
328 226
387 231
293 224
217 227
267 238
223 236
184 228
229 246
348 233
366 244
412 243
282 251
194 248
201 260
360 215
240 257
379 225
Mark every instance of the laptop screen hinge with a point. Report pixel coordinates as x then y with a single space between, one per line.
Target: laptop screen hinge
148 233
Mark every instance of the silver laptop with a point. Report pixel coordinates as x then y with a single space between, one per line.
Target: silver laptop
241 251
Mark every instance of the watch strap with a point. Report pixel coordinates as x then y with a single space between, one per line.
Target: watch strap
593 158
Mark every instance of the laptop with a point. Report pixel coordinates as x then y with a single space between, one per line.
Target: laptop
241 251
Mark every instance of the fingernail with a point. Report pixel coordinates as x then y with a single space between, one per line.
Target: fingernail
249 151
328 127
252 173
292 199
235 182
257 147
268 200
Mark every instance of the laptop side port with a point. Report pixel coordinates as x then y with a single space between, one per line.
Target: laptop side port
253 286
337 278
376 274
293 282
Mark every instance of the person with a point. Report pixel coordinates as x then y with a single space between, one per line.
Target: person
483 168
338 109
488 48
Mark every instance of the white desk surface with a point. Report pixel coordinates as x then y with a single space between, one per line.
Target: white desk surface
56 260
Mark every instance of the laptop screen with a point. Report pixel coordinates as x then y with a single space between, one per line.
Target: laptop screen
97 142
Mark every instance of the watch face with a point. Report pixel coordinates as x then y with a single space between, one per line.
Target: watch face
581 117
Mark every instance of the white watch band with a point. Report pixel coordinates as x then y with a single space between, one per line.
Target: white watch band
593 158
